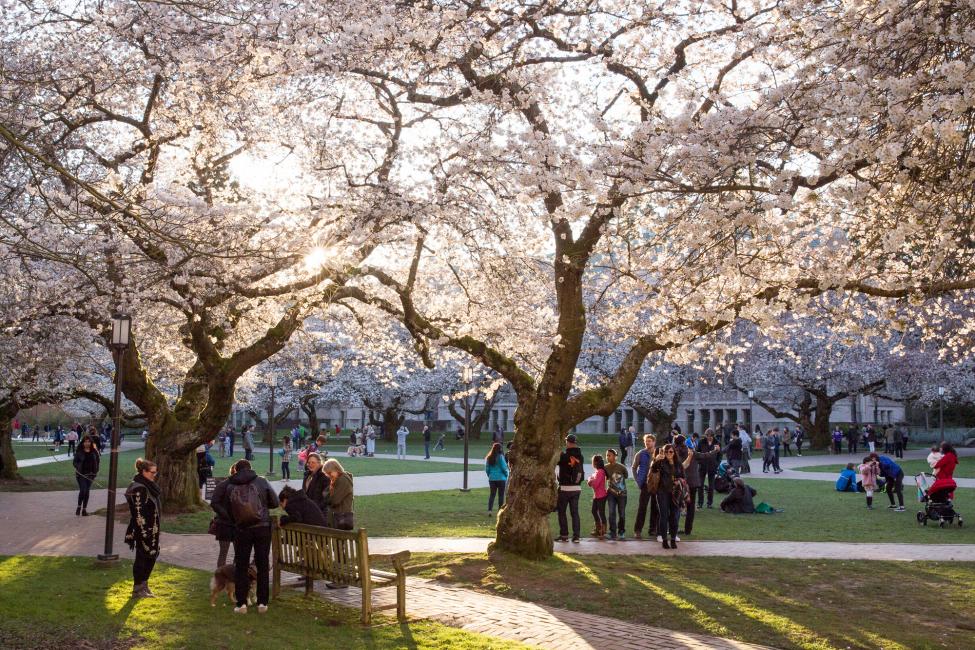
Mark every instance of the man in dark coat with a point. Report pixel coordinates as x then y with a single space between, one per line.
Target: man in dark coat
739 501
300 509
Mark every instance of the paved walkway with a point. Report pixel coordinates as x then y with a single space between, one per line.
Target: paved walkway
52 457
39 524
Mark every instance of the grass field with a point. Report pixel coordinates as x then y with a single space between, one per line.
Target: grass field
965 469
59 475
815 605
813 511
69 603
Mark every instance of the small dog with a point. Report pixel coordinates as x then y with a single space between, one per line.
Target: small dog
223 580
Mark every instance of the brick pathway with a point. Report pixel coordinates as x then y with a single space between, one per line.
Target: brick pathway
40 524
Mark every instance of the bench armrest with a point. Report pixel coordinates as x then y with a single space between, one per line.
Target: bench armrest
396 558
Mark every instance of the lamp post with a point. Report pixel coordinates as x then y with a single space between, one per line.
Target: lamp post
751 411
941 410
468 380
270 430
121 327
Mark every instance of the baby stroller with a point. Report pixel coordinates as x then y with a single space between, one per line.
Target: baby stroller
937 507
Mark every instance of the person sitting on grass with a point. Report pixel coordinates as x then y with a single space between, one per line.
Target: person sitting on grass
847 481
300 509
740 500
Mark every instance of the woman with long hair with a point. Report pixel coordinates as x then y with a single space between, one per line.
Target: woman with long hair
145 507
86 462
316 482
496 468
598 484
339 495
944 471
668 470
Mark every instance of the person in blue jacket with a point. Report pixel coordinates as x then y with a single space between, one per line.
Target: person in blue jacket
496 468
894 480
847 482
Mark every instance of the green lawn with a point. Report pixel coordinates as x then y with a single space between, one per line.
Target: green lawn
59 475
26 450
69 603
965 469
814 511
783 603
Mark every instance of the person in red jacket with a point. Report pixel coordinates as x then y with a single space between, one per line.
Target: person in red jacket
944 471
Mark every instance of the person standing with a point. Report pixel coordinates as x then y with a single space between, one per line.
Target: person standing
371 441
871 437
72 436
692 474
286 458
145 507
641 471
86 461
496 468
36 435
787 441
746 449
249 500
249 442
626 440
869 471
222 526
316 482
733 451
340 495
231 433
776 444
616 476
668 471
708 450
598 484
498 435
401 434
426 443
571 473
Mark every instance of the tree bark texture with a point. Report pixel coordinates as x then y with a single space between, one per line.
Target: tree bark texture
7 447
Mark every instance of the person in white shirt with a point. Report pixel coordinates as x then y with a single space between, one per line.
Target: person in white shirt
370 440
746 449
401 434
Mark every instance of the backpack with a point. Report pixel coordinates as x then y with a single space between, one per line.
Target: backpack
246 505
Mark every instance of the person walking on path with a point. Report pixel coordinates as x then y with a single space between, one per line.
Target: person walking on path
316 482
249 500
869 472
222 527
426 443
86 461
496 468
641 472
440 442
894 477
145 507
616 475
787 442
401 434
340 495
775 443
598 484
707 461
286 458
626 439
571 473
665 472
249 443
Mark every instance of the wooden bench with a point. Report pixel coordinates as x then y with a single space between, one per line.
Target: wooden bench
338 556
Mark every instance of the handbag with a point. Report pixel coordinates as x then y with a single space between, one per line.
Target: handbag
653 482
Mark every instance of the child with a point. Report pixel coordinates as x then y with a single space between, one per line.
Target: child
934 456
869 471
598 484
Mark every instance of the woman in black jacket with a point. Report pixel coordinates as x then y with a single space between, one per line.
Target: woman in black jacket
316 482
145 507
86 461
300 509
668 469
222 527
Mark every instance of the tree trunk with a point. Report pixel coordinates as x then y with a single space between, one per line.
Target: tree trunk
311 412
177 468
393 419
7 447
819 434
523 522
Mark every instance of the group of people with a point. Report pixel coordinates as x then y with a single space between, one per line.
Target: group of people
60 436
670 479
878 471
894 439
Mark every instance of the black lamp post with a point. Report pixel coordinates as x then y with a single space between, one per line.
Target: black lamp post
121 326
941 410
468 378
270 430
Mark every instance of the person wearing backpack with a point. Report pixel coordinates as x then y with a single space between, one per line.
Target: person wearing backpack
641 471
249 500
570 476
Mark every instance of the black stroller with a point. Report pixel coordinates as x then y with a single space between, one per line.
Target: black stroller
938 507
